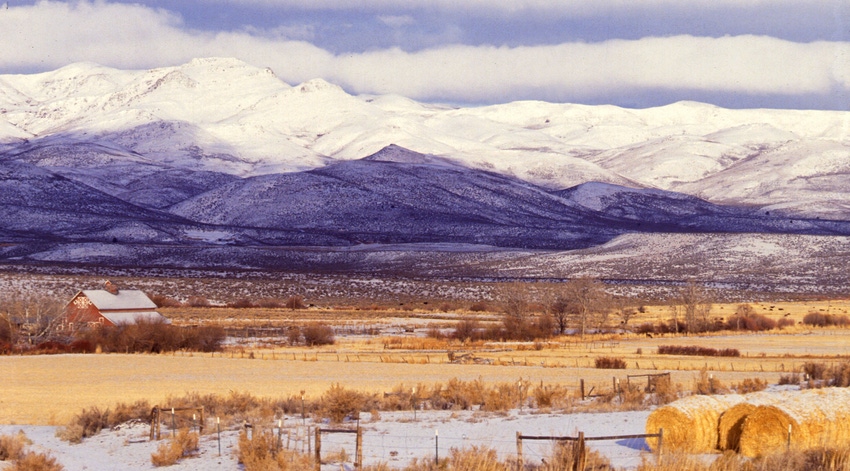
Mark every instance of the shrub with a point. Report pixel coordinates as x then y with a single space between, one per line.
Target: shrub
87 423
197 301
839 375
164 301
243 303
295 302
479 307
564 455
815 371
476 459
81 346
793 378
184 444
339 403
154 337
749 385
817 319
694 350
664 390
610 363
707 384
467 329
318 334
12 447
784 322
751 322
260 453
551 396
32 461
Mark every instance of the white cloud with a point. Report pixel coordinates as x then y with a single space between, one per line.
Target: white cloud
396 21
513 7
49 35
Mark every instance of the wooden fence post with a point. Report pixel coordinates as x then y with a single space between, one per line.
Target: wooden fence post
358 452
580 454
660 443
519 463
582 388
318 449
788 446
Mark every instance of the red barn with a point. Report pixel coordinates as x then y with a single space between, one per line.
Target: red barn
109 307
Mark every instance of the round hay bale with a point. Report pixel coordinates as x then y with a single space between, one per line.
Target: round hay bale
690 423
731 421
817 419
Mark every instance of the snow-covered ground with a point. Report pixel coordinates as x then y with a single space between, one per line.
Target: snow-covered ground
395 438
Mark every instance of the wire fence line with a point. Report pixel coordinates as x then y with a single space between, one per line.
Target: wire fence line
339 445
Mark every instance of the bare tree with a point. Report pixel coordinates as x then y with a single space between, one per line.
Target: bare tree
693 303
555 307
514 299
586 303
28 317
624 308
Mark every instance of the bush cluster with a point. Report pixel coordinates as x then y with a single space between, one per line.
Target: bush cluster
694 350
610 363
312 335
153 337
825 320
261 452
470 330
13 448
91 421
182 445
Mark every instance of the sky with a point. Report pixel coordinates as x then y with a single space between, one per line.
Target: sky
631 53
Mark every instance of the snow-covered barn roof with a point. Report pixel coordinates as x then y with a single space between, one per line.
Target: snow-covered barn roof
135 317
125 299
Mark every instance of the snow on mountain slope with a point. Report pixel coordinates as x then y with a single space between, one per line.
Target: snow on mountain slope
41 205
399 196
223 115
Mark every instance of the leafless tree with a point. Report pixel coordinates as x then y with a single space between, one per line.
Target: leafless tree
624 308
28 317
555 307
693 303
515 300
586 303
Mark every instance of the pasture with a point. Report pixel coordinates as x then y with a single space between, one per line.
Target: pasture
381 349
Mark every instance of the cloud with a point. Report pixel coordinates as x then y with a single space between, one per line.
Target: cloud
396 21
50 35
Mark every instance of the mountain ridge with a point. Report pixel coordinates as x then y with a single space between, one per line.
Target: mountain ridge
220 154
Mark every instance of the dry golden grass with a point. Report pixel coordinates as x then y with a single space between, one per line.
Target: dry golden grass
169 452
50 389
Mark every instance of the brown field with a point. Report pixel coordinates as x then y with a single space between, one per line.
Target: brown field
50 389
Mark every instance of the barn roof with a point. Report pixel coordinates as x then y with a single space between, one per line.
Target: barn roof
135 317
124 299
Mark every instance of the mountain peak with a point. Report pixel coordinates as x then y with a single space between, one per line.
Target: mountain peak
399 154
318 85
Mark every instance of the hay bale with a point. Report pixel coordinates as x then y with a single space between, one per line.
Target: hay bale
818 418
690 424
731 421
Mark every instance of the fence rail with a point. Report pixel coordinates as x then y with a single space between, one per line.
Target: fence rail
580 452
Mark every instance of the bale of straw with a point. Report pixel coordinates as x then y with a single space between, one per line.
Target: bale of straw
818 418
690 423
732 420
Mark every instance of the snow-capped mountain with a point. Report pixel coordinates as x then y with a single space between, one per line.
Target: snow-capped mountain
226 116
220 152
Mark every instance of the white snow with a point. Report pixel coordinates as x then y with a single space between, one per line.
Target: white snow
222 114
395 438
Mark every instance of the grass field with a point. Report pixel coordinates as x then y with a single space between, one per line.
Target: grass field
50 389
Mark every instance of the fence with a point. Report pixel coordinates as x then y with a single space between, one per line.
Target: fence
179 419
580 454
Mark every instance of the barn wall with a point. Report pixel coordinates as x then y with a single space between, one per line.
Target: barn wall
81 310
